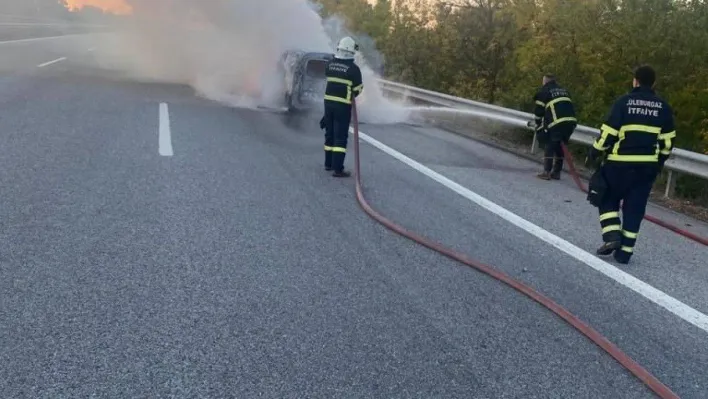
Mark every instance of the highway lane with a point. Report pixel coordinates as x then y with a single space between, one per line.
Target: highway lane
663 259
649 334
21 30
238 267
21 55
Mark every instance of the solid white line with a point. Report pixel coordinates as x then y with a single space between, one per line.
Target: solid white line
660 298
51 62
165 134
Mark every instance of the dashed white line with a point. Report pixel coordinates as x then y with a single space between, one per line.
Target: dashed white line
165 140
660 298
51 62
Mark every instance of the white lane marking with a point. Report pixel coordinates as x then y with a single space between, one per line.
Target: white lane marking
37 39
165 141
660 298
91 49
32 24
51 62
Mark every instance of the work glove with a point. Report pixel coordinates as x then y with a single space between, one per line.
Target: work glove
542 136
322 123
593 156
662 161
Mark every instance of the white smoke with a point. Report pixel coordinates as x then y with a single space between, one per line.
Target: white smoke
228 50
372 105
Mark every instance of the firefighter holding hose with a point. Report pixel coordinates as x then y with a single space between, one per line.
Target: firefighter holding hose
344 82
555 122
636 139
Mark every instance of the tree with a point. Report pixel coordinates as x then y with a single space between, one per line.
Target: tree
497 50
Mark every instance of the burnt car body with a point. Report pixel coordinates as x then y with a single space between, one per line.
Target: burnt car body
305 81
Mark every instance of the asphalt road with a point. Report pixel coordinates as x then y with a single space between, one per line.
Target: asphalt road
238 268
17 30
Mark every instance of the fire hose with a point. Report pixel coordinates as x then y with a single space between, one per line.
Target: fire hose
633 367
675 229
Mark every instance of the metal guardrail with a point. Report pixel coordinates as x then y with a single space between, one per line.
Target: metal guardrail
681 161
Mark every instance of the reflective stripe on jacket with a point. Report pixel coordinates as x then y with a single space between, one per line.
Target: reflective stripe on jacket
343 80
553 107
639 128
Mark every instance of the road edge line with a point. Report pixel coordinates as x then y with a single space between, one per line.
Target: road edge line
673 305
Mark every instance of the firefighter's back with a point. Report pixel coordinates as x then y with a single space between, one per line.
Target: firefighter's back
559 109
340 76
643 115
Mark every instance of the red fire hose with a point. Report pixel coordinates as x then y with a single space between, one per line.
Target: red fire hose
642 374
675 229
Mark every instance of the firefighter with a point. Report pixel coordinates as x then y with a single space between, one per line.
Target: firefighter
344 82
555 122
636 141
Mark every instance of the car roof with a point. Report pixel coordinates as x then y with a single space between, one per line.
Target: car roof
309 54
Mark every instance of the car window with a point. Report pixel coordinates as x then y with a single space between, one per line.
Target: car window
316 68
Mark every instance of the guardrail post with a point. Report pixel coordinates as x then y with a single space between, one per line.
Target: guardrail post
533 143
670 184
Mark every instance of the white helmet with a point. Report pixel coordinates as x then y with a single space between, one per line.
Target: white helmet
347 48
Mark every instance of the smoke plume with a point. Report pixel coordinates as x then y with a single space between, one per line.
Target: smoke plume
228 50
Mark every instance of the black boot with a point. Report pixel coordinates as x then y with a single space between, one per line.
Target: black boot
613 242
544 175
328 160
622 256
547 165
338 165
608 248
341 173
557 168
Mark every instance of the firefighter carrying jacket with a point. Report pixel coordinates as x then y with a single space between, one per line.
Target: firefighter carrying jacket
344 83
555 122
636 140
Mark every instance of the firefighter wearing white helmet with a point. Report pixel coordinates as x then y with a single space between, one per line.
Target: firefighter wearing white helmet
347 48
344 83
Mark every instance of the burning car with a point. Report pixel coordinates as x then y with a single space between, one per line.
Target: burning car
305 82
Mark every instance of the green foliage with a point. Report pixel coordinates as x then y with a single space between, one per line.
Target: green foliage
497 50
